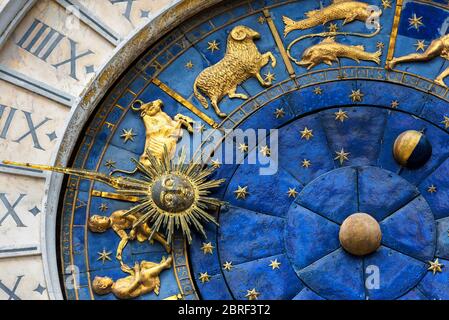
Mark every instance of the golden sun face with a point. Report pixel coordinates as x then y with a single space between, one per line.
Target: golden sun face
177 196
171 194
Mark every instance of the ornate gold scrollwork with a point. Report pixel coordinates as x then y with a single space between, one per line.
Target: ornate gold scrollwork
241 62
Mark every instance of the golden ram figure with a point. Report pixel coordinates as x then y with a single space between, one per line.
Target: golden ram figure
241 62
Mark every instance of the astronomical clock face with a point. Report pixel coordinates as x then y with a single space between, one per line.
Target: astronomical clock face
266 149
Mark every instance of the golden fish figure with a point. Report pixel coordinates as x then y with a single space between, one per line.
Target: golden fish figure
241 62
437 48
143 279
338 10
328 51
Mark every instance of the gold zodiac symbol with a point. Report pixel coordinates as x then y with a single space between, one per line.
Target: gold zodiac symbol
161 130
119 222
143 279
338 10
328 50
437 48
241 62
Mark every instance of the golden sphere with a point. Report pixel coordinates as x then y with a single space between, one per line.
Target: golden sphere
360 234
412 149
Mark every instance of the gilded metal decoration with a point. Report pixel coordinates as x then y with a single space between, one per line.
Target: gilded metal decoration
128 135
318 90
415 22
172 195
274 264
306 163
252 294
265 151
435 266
341 115
356 95
216 164
243 147
437 48
360 234
207 248
342 156
204 277
420 45
161 130
120 223
306 134
386 4
329 51
345 10
279 113
228 266
104 256
395 104
241 62
292 193
412 149
445 122
142 279
432 189
213 46
241 192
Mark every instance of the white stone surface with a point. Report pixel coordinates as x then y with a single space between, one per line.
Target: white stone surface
25 273
55 16
36 149
20 229
114 15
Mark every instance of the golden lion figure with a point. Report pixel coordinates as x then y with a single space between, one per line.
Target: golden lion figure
241 62
120 223
437 48
143 279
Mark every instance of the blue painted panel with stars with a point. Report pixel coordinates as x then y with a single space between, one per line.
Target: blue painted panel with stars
347 129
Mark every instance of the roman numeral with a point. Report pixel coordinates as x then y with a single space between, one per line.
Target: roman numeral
11 209
41 40
7 124
74 56
11 292
32 128
129 7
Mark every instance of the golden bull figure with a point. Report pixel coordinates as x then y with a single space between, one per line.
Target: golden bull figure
161 131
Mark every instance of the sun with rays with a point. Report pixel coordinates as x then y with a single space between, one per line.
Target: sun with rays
171 194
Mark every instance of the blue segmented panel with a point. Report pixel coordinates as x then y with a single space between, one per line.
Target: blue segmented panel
336 127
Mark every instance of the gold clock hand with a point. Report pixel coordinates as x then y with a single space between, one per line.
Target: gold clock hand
115 182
